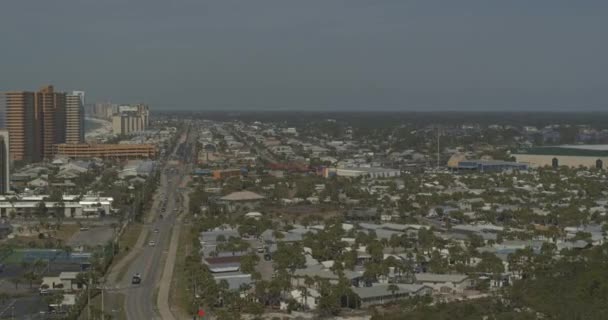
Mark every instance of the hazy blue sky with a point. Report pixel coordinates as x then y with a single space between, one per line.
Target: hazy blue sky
309 54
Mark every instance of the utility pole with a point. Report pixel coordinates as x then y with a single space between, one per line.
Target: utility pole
103 285
89 296
437 147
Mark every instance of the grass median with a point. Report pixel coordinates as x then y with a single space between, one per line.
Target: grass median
179 282
126 243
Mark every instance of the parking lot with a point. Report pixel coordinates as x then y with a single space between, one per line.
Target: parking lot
92 237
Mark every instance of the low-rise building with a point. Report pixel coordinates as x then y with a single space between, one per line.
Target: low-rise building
241 200
386 293
590 156
490 165
372 172
226 173
71 206
445 282
65 282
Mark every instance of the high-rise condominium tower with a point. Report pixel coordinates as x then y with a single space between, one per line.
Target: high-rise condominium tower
130 118
50 108
35 121
74 118
19 121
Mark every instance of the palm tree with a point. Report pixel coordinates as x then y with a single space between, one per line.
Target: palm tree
41 209
16 281
68 251
393 288
4 297
25 265
31 276
39 263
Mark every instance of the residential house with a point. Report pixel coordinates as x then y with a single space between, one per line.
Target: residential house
241 200
445 283
382 293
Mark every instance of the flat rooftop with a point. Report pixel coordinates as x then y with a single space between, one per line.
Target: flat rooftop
368 169
580 150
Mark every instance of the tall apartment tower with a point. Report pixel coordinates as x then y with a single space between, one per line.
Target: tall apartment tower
81 94
74 118
130 118
50 120
19 121
5 160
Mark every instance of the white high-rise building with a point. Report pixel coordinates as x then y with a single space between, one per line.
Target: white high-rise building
74 118
80 94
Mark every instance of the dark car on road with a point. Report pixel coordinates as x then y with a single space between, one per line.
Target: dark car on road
136 279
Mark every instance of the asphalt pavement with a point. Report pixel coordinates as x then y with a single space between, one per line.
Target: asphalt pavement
140 299
140 302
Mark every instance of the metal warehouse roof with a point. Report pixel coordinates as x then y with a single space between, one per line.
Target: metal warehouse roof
598 150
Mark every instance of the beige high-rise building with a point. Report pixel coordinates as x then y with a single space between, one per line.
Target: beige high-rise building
19 119
74 119
130 119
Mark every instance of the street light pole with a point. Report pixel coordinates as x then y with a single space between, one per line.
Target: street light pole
103 286
89 296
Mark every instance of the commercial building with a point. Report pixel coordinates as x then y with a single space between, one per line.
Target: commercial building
589 156
19 119
241 200
373 172
130 119
489 165
226 173
5 161
72 206
112 151
74 118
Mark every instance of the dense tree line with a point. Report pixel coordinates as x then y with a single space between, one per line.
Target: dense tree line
575 286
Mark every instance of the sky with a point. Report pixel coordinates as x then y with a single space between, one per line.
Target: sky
402 55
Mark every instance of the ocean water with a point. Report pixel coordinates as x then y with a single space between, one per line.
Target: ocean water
90 125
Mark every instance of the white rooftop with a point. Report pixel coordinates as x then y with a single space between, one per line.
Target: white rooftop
242 196
435 277
596 147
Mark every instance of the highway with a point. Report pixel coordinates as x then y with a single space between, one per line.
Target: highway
140 299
